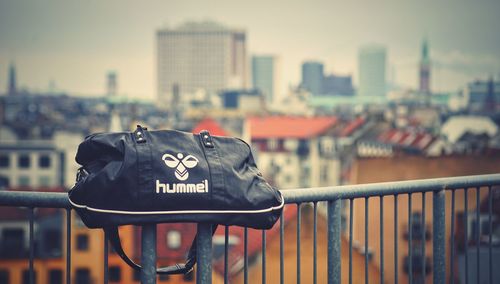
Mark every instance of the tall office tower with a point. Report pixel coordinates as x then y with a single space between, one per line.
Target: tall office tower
202 55
12 87
312 77
372 70
112 84
264 76
425 70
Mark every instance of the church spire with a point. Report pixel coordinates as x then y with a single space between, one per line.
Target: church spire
425 51
425 70
12 87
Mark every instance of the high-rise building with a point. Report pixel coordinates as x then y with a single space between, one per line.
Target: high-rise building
202 55
312 77
12 88
372 70
264 75
425 70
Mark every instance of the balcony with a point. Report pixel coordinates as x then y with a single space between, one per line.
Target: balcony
455 249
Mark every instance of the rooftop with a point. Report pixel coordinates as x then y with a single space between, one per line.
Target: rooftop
289 127
211 126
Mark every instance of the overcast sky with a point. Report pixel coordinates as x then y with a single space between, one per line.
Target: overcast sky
75 43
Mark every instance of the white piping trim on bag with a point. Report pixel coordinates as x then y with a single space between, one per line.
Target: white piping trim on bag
179 212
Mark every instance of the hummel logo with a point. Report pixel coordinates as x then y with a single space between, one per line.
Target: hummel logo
181 164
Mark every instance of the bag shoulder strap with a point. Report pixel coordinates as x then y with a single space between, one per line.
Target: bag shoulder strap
179 268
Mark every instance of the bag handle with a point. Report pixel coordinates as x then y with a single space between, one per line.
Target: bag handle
213 159
179 268
144 156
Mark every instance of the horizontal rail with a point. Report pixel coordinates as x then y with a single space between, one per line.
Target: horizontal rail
334 195
314 194
34 199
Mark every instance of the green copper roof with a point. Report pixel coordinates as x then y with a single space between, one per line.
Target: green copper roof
332 101
425 50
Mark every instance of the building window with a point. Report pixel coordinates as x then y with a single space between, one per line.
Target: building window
24 161
82 276
326 145
174 239
44 181
4 161
115 274
24 181
44 161
324 173
418 229
82 242
52 240
4 276
26 277
4 182
303 149
272 144
290 144
55 276
12 242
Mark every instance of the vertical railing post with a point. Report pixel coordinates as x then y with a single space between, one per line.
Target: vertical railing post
106 258
438 241
334 255
32 246
68 246
148 257
204 254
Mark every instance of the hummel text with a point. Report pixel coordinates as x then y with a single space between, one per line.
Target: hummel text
201 187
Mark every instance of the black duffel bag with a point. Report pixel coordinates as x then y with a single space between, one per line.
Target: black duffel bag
170 176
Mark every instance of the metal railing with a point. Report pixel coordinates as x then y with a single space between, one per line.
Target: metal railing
334 197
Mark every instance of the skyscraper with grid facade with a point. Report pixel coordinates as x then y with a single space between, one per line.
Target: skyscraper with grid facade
200 56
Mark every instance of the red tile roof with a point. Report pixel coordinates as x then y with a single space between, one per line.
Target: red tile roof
352 126
407 138
289 127
211 125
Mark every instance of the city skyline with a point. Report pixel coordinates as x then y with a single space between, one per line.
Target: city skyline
119 35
